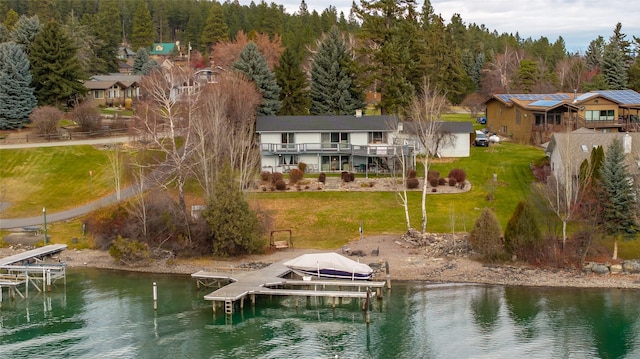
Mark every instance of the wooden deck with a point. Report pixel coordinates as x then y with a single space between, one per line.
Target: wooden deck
15 274
38 254
270 281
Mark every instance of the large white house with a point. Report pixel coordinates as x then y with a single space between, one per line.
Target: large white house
344 143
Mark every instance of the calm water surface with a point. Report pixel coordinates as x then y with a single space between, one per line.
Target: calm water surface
109 314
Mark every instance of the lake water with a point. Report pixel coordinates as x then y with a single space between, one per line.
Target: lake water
109 314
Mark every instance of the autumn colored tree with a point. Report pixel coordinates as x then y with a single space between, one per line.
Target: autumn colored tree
225 54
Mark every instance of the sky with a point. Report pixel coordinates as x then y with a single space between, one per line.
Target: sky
578 22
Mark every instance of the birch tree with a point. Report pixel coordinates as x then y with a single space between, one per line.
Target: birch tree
426 112
172 108
563 188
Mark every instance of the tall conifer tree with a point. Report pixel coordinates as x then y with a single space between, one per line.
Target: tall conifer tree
57 74
333 89
142 35
254 65
16 94
293 82
215 28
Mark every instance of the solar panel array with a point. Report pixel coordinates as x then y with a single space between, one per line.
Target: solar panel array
545 103
533 97
626 97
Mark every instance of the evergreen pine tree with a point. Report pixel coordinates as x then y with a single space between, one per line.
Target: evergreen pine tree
522 236
11 19
593 55
234 227
4 33
254 65
613 67
618 196
485 237
333 90
106 27
139 62
16 94
293 82
57 74
25 31
142 35
215 28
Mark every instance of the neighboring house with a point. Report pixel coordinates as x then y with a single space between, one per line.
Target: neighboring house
330 143
112 90
454 138
125 54
533 118
567 151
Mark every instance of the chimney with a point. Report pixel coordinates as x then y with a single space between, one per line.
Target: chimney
358 113
626 143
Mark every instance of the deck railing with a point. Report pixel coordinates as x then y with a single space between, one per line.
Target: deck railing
332 148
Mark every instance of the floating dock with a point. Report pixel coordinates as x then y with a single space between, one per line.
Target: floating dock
28 269
270 281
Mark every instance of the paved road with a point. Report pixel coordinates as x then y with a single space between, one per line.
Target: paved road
75 212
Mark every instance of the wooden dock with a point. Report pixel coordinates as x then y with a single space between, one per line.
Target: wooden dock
37 254
270 281
28 269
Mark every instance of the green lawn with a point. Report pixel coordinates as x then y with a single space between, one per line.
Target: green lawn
58 178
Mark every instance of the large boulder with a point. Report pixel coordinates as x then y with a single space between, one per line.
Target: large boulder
631 266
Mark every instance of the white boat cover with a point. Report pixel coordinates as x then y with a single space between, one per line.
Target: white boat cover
328 261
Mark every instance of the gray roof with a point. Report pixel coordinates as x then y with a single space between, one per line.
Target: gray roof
580 142
325 123
117 77
449 127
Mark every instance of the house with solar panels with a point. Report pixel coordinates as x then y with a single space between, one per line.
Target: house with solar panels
533 118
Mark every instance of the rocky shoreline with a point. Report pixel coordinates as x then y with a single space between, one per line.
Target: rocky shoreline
406 262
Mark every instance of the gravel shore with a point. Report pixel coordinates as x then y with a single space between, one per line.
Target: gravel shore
406 262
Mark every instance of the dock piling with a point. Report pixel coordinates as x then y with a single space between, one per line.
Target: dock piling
155 296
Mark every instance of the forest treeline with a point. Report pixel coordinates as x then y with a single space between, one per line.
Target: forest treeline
392 44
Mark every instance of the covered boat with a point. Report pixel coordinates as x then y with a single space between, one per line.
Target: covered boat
329 265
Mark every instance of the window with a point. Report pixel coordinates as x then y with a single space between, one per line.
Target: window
98 94
518 120
333 139
287 137
503 129
599 115
377 137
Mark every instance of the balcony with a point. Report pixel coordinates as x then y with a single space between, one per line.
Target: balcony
334 148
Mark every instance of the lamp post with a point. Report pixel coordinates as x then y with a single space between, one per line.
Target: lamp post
44 214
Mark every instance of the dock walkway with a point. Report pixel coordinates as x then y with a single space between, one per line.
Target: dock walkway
269 281
38 254
20 270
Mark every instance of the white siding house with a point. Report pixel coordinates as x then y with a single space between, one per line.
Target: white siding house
454 138
329 143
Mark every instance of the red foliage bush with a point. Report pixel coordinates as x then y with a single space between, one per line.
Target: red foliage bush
442 181
432 174
411 174
413 183
280 185
265 176
459 174
275 177
322 178
434 182
452 181
295 175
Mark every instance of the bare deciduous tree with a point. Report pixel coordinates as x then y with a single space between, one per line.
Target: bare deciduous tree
172 103
45 119
426 112
86 117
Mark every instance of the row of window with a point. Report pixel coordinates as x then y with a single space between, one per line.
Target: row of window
337 137
111 93
601 115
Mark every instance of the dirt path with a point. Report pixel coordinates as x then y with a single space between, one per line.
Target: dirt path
405 263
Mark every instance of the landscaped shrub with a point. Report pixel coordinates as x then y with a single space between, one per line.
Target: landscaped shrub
411 174
322 178
129 251
275 177
295 175
434 182
280 185
459 174
452 181
485 237
432 174
413 183
265 176
302 166
442 181
348 177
